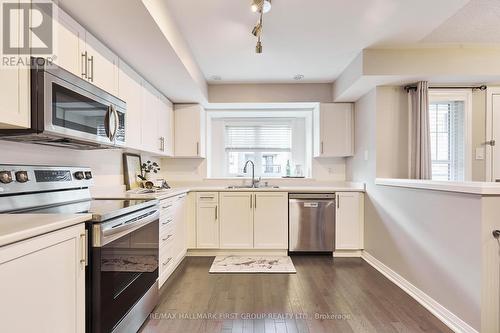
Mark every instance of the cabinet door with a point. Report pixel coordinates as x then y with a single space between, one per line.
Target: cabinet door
336 130
149 116
102 65
207 221
349 221
130 90
70 44
15 93
43 277
180 226
271 220
189 130
236 220
165 127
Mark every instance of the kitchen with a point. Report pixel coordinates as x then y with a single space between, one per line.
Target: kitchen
152 182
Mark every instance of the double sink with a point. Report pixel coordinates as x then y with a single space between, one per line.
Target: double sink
237 187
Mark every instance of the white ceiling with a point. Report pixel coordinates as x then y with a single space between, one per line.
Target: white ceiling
316 38
476 22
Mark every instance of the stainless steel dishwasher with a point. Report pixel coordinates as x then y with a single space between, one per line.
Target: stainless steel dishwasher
311 222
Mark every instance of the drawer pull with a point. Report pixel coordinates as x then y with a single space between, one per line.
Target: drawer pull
166 207
167 238
166 262
166 222
206 197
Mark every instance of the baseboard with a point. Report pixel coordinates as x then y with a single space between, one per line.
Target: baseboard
347 253
447 317
220 252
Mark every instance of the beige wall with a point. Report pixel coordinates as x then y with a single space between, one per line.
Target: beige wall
270 93
478 167
106 164
432 239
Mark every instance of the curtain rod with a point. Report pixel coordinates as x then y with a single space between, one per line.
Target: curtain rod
482 87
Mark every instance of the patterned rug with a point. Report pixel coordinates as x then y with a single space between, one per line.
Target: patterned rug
252 264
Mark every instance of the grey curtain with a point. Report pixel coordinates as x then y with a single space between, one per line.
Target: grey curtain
421 165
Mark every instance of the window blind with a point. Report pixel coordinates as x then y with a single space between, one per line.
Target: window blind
447 129
262 137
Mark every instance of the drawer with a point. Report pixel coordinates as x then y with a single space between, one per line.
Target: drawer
166 221
167 257
166 237
207 197
167 205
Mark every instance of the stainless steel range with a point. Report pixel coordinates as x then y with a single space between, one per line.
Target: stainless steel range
122 268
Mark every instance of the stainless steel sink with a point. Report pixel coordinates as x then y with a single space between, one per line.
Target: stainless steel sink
235 187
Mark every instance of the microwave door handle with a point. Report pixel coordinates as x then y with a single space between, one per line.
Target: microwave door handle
107 123
117 122
112 114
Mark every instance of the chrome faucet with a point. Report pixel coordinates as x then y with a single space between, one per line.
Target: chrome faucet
254 182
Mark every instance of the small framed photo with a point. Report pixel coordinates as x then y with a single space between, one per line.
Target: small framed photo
132 170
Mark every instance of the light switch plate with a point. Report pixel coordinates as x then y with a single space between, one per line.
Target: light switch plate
480 153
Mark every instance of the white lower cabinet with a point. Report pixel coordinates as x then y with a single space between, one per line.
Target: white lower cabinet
172 235
43 283
207 220
349 221
270 220
236 220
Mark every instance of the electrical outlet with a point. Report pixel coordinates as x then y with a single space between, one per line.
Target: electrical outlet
366 155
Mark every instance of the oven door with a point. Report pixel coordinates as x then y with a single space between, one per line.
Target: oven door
75 109
123 267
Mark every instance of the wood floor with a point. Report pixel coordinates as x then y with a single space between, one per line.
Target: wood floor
326 295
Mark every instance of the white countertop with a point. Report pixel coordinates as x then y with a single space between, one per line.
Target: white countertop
479 188
17 227
344 187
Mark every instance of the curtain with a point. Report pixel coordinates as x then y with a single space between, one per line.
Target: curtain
421 164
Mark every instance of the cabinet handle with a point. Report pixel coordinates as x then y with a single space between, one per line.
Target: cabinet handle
496 234
84 248
251 196
84 64
255 201
167 222
166 262
166 207
338 202
216 213
322 147
206 197
167 238
162 143
91 62
197 149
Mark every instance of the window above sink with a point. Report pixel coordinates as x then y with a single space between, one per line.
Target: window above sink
274 140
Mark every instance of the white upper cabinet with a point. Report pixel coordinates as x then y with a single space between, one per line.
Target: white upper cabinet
189 131
149 115
15 95
271 220
236 220
130 90
102 65
166 127
333 130
349 221
80 53
70 44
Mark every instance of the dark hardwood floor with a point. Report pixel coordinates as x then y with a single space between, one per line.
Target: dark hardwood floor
326 295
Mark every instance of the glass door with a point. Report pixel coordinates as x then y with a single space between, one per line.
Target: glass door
73 111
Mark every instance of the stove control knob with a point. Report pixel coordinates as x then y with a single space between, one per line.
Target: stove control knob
22 176
5 177
88 175
79 175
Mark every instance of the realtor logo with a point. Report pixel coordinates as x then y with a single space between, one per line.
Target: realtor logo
27 28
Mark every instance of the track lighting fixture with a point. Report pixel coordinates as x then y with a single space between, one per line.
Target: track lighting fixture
261 7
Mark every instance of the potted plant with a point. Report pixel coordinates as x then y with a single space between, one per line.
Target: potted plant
149 169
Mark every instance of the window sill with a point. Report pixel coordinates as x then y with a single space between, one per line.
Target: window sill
480 188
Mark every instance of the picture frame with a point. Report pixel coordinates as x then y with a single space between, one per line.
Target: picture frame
132 168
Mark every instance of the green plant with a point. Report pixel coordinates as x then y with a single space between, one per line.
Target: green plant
150 167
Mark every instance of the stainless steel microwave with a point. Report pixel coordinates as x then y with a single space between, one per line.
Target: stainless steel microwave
68 111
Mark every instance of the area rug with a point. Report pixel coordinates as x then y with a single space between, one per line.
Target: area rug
252 264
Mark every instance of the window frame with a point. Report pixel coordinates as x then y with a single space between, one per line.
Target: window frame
463 95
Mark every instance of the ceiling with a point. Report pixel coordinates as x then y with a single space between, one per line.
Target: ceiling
476 22
315 38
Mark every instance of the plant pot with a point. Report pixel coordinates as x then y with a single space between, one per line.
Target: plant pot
149 176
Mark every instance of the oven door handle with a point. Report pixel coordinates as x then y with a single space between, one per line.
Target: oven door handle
108 232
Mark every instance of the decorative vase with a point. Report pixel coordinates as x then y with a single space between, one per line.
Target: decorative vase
149 176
